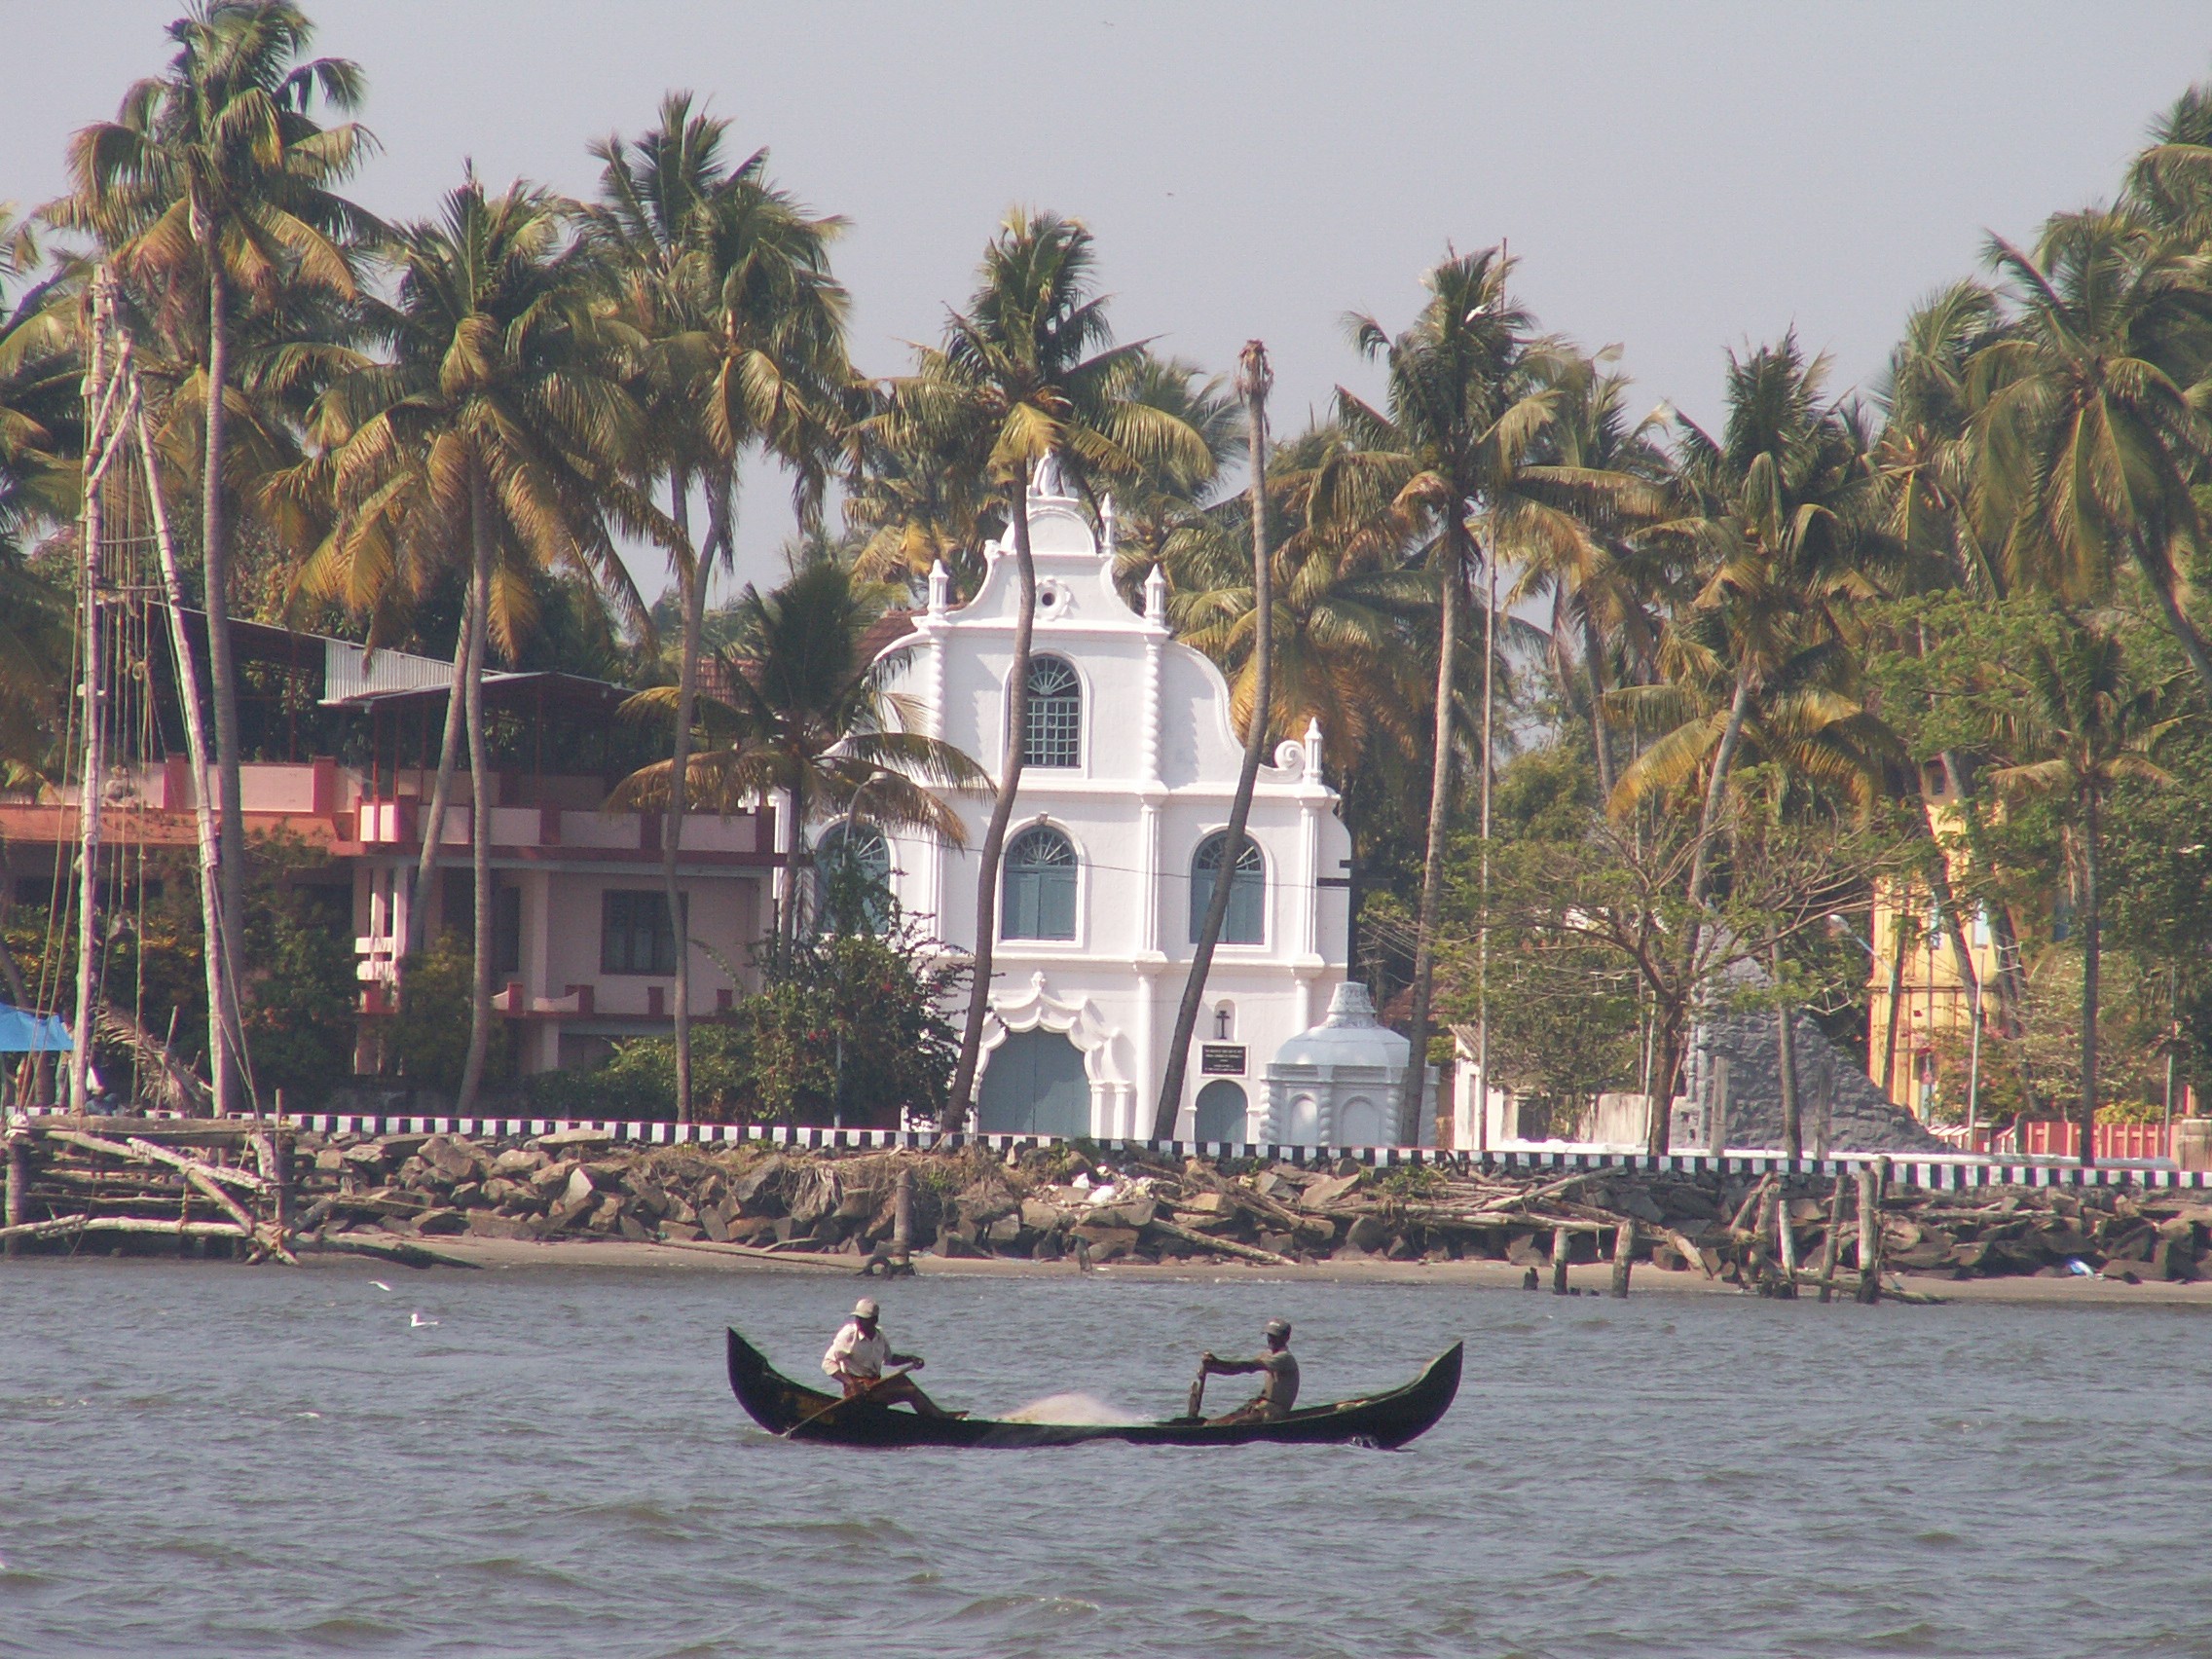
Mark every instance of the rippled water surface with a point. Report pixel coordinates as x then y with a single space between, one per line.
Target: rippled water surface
205 1459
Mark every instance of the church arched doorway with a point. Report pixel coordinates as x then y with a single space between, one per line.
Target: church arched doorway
1221 1112
1035 1086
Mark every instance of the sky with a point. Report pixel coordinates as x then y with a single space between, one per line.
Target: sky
1678 180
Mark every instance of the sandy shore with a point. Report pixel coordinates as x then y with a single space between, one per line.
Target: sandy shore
1590 1280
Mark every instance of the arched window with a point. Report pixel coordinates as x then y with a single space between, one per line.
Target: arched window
1054 736
1039 897
1246 920
852 880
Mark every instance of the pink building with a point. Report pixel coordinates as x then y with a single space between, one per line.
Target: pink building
582 945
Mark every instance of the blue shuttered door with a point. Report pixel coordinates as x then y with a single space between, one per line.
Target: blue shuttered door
1035 1087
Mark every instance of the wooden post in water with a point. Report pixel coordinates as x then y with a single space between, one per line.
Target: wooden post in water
1786 1240
271 1152
1560 1248
1869 1234
1832 1247
901 1225
1624 1254
18 1187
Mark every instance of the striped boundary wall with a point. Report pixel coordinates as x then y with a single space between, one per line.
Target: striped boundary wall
1934 1174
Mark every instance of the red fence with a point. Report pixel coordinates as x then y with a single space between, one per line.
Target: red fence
2044 1137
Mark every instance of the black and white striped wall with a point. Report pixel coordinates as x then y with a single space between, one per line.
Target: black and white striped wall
1931 1173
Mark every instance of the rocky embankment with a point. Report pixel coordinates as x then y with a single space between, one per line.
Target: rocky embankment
1054 1203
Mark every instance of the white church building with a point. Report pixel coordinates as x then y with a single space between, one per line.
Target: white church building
1128 773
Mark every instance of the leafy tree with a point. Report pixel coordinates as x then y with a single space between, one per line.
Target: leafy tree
2080 727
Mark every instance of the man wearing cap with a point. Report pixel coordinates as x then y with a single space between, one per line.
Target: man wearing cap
859 1351
1278 1393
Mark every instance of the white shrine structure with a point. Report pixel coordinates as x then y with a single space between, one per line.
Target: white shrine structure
1130 765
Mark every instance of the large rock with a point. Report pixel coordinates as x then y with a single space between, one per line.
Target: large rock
1838 1104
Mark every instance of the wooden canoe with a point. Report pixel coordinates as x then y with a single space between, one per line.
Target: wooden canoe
783 1407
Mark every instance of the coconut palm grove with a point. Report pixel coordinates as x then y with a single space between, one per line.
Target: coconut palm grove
1880 706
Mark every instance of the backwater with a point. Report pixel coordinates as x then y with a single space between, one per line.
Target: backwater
208 1459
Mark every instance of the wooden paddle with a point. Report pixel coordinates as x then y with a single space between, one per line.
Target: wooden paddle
1198 1394
812 1418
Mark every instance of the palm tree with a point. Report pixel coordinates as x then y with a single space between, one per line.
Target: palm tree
1469 399
2090 431
214 186
1348 617
1601 581
498 424
1775 525
799 707
41 436
2082 727
728 281
1028 370
1253 380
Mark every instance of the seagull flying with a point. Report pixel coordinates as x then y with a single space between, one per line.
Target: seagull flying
415 1321
380 1285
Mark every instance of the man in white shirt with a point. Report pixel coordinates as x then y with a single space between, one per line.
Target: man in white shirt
859 1351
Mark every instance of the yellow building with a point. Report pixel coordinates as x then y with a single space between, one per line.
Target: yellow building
1932 1001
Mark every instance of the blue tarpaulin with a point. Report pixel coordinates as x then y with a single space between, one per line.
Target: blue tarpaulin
21 1031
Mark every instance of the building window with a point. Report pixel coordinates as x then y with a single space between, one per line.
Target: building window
634 935
1039 899
1054 736
1245 922
852 880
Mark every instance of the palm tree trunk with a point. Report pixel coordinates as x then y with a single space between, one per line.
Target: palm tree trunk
1411 1086
1253 382
1601 741
434 826
480 795
1701 859
1785 1051
222 668
1898 930
692 585
1669 1019
2011 976
1002 813
1716 786
2093 947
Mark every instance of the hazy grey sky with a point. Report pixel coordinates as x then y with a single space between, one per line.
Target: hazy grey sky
1679 179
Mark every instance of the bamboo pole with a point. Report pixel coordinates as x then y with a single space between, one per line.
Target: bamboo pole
1561 1244
1624 1254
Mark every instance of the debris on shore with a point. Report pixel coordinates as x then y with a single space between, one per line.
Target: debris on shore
263 1190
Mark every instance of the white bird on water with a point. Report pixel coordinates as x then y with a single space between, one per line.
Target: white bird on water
380 1285
415 1321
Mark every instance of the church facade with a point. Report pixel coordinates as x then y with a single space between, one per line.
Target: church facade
1129 767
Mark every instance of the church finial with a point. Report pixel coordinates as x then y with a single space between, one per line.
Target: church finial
1313 748
1110 522
941 587
1156 596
